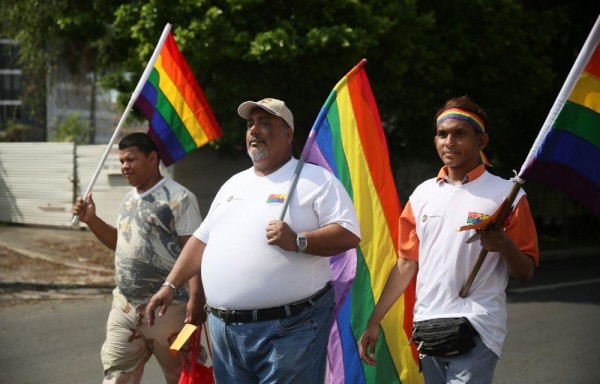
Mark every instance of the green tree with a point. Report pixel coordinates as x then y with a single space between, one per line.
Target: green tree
510 55
293 50
15 132
71 129
419 54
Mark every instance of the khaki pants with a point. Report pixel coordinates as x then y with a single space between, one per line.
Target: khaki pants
130 342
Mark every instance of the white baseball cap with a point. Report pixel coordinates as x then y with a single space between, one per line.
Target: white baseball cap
273 106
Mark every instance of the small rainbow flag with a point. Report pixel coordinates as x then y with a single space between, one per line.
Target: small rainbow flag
348 139
566 153
180 119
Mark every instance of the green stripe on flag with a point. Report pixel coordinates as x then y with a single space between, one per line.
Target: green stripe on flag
170 115
580 121
363 305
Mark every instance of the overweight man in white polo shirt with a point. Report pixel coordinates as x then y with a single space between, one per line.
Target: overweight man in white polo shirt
267 282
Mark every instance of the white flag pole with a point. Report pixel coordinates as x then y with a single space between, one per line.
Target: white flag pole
582 59
584 56
134 96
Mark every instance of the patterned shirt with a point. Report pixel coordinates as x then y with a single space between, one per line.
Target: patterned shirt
148 230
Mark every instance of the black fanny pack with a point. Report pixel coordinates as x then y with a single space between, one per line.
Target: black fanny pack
443 337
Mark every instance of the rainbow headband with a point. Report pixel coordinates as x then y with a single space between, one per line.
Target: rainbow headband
471 118
459 114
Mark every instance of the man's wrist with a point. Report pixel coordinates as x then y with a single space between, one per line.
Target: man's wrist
169 284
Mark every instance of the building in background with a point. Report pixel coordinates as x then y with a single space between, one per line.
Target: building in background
10 84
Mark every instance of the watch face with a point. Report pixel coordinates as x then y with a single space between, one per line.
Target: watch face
301 243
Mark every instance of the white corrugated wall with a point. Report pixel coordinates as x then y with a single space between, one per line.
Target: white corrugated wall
36 183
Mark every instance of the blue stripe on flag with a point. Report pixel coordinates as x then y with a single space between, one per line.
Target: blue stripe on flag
565 148
159 124
324 142
353 367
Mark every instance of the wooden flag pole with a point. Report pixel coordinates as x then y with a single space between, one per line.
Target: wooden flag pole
496 226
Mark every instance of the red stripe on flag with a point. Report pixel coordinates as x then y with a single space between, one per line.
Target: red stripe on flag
208 120
593 66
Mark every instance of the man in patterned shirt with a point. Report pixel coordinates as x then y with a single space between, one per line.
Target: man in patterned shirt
156 218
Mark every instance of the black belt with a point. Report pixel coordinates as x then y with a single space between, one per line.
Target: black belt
253 315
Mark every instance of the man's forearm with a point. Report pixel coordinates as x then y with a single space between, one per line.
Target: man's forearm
330 240
105 233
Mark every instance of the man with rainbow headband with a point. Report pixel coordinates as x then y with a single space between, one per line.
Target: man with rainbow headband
431 246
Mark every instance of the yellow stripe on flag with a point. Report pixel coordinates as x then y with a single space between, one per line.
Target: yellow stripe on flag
186 115
376 241
587 92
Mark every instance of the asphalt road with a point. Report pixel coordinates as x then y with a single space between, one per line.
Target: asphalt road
553 333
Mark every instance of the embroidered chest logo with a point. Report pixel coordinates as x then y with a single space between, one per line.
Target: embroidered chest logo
476 218
276 198
427 217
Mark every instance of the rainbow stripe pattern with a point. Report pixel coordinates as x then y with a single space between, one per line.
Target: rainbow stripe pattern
348 139
475 218
569 155
457 113
180 119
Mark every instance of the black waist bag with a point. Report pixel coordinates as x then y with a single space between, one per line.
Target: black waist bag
443 337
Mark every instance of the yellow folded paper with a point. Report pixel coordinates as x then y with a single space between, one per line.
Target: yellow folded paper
183 336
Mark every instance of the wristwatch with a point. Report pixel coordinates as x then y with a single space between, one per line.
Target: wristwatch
301 242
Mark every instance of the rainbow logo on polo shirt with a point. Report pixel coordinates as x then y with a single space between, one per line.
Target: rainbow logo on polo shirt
475 218
276 198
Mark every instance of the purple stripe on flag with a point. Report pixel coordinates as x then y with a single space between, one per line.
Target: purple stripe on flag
163 153
343 270
563 177
163 133
335 357
316 157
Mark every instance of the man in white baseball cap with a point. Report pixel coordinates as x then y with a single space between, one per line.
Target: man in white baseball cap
268 282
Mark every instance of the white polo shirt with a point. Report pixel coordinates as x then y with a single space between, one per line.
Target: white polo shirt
239 269
445 260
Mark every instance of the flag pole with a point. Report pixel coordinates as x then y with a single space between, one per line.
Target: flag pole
313 135
582 59
303 156
134 96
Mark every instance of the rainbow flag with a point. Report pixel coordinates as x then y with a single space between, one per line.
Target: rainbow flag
347 138
180 119
566 154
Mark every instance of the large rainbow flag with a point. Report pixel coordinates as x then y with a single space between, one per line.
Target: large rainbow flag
180 119
566 153
348 139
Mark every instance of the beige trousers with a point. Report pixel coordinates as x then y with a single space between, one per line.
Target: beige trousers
130 342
